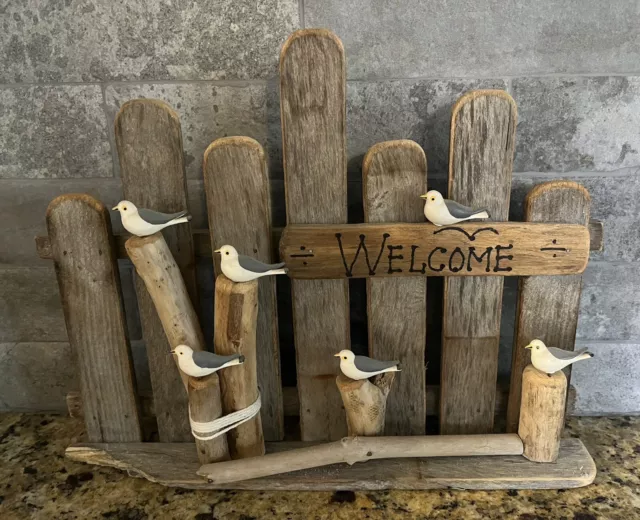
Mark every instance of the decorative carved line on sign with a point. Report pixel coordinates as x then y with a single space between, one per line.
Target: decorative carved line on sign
471 236
362 246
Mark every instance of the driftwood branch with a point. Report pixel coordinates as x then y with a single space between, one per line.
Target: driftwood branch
365 403
156 266
361 449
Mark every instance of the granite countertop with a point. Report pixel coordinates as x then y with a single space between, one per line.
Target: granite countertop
37 482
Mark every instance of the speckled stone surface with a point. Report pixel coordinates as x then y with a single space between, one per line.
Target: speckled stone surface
37 482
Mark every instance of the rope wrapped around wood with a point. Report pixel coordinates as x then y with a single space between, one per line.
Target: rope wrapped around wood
212 429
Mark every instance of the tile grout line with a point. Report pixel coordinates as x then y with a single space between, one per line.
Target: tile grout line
301 13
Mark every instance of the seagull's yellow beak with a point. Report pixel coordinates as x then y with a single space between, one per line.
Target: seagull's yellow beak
337 355
115 208
172 352
217 251
423 196
529 346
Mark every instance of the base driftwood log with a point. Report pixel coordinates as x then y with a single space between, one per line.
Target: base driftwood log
365 403
205 406
236 313
156 266
361 449
542 414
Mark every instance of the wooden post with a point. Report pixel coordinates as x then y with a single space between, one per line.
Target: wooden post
149 142
393 173
236 313
313 113
542 414
82 248
205 406
482 143
228 163
365 403
161 275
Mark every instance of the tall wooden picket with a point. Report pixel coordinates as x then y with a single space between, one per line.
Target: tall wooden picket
149 143
237 190
548 306
483 129
313 111
394 176
82 249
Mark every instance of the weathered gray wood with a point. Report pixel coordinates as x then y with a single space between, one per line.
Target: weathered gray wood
202 242
237 191
313 113
548 306
483 128
149 144
81 244
176 465
321 251
394 174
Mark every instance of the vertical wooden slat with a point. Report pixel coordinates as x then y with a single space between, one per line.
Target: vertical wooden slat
313 111
87 270
237 190
547 305
149 145
480 166
394 176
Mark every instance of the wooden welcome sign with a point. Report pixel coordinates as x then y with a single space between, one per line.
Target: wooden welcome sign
477 249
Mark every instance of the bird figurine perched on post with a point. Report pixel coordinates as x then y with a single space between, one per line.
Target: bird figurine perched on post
202 363
443 212
144 222
240 268
363 367
549 359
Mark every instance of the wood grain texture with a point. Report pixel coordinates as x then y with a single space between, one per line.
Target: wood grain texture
542 414
365 403
313 114
236 312
394 175
470 250
175 465
161 276
81 244
481 150
238 203
361 449
205 405
149 143
548 307
202 242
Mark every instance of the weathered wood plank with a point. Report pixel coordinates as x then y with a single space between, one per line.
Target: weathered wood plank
394 174
149 144
176 465
81 245
399 250
548 307
313 113
242 218
483 128
202 242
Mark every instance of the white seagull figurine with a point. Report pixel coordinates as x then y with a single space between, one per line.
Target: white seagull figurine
144 222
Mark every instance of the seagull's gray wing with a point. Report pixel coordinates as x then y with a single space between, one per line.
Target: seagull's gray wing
209 360
566 354
460 211
256 266
155 217
366 364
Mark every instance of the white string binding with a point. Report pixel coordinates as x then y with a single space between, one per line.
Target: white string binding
212 429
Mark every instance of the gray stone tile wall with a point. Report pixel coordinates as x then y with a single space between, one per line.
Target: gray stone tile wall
573 68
